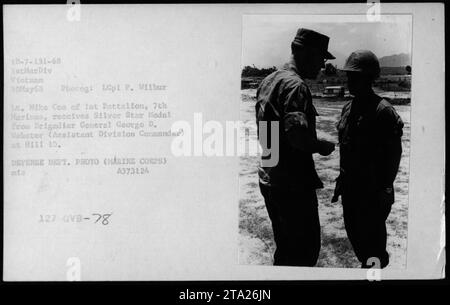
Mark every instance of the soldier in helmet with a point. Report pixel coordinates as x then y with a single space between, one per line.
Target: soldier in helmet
289 187
370 133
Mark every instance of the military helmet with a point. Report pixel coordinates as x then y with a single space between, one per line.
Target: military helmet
363 61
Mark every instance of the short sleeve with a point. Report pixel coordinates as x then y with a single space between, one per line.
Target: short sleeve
296 99
295 119
294 107
391 124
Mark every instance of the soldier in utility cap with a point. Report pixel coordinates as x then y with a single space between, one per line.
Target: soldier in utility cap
370 132
289 187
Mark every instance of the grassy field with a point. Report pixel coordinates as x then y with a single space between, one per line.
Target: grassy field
256 240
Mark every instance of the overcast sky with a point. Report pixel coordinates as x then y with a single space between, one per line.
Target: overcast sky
267 38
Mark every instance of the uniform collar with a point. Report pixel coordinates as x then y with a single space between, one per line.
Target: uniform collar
291 66
370 104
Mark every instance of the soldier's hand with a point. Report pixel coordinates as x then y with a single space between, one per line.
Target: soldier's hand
325 147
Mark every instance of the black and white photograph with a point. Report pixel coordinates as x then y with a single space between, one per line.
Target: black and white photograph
223 142
340 88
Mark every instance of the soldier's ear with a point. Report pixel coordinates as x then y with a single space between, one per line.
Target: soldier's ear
297 50
299 53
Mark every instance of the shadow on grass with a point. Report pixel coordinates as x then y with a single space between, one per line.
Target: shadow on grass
255 222
338 248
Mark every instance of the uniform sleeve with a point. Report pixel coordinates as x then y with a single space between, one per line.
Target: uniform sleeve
391 126
295 120
391 123
340 125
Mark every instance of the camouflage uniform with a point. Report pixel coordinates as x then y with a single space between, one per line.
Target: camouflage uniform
289 187
370 153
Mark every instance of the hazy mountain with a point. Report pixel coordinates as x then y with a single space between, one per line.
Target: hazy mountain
397 60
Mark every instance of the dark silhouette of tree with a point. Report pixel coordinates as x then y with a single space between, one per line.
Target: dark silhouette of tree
330 69
408 69
249 71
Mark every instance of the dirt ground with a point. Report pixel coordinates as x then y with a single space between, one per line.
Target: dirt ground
256 245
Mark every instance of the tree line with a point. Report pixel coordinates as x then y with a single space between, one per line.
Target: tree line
253 71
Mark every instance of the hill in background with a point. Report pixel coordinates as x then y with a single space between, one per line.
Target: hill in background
397 60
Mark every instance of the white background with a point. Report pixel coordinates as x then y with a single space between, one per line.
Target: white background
181 222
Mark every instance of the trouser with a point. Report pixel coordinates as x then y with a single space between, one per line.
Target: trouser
295 223
365 222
